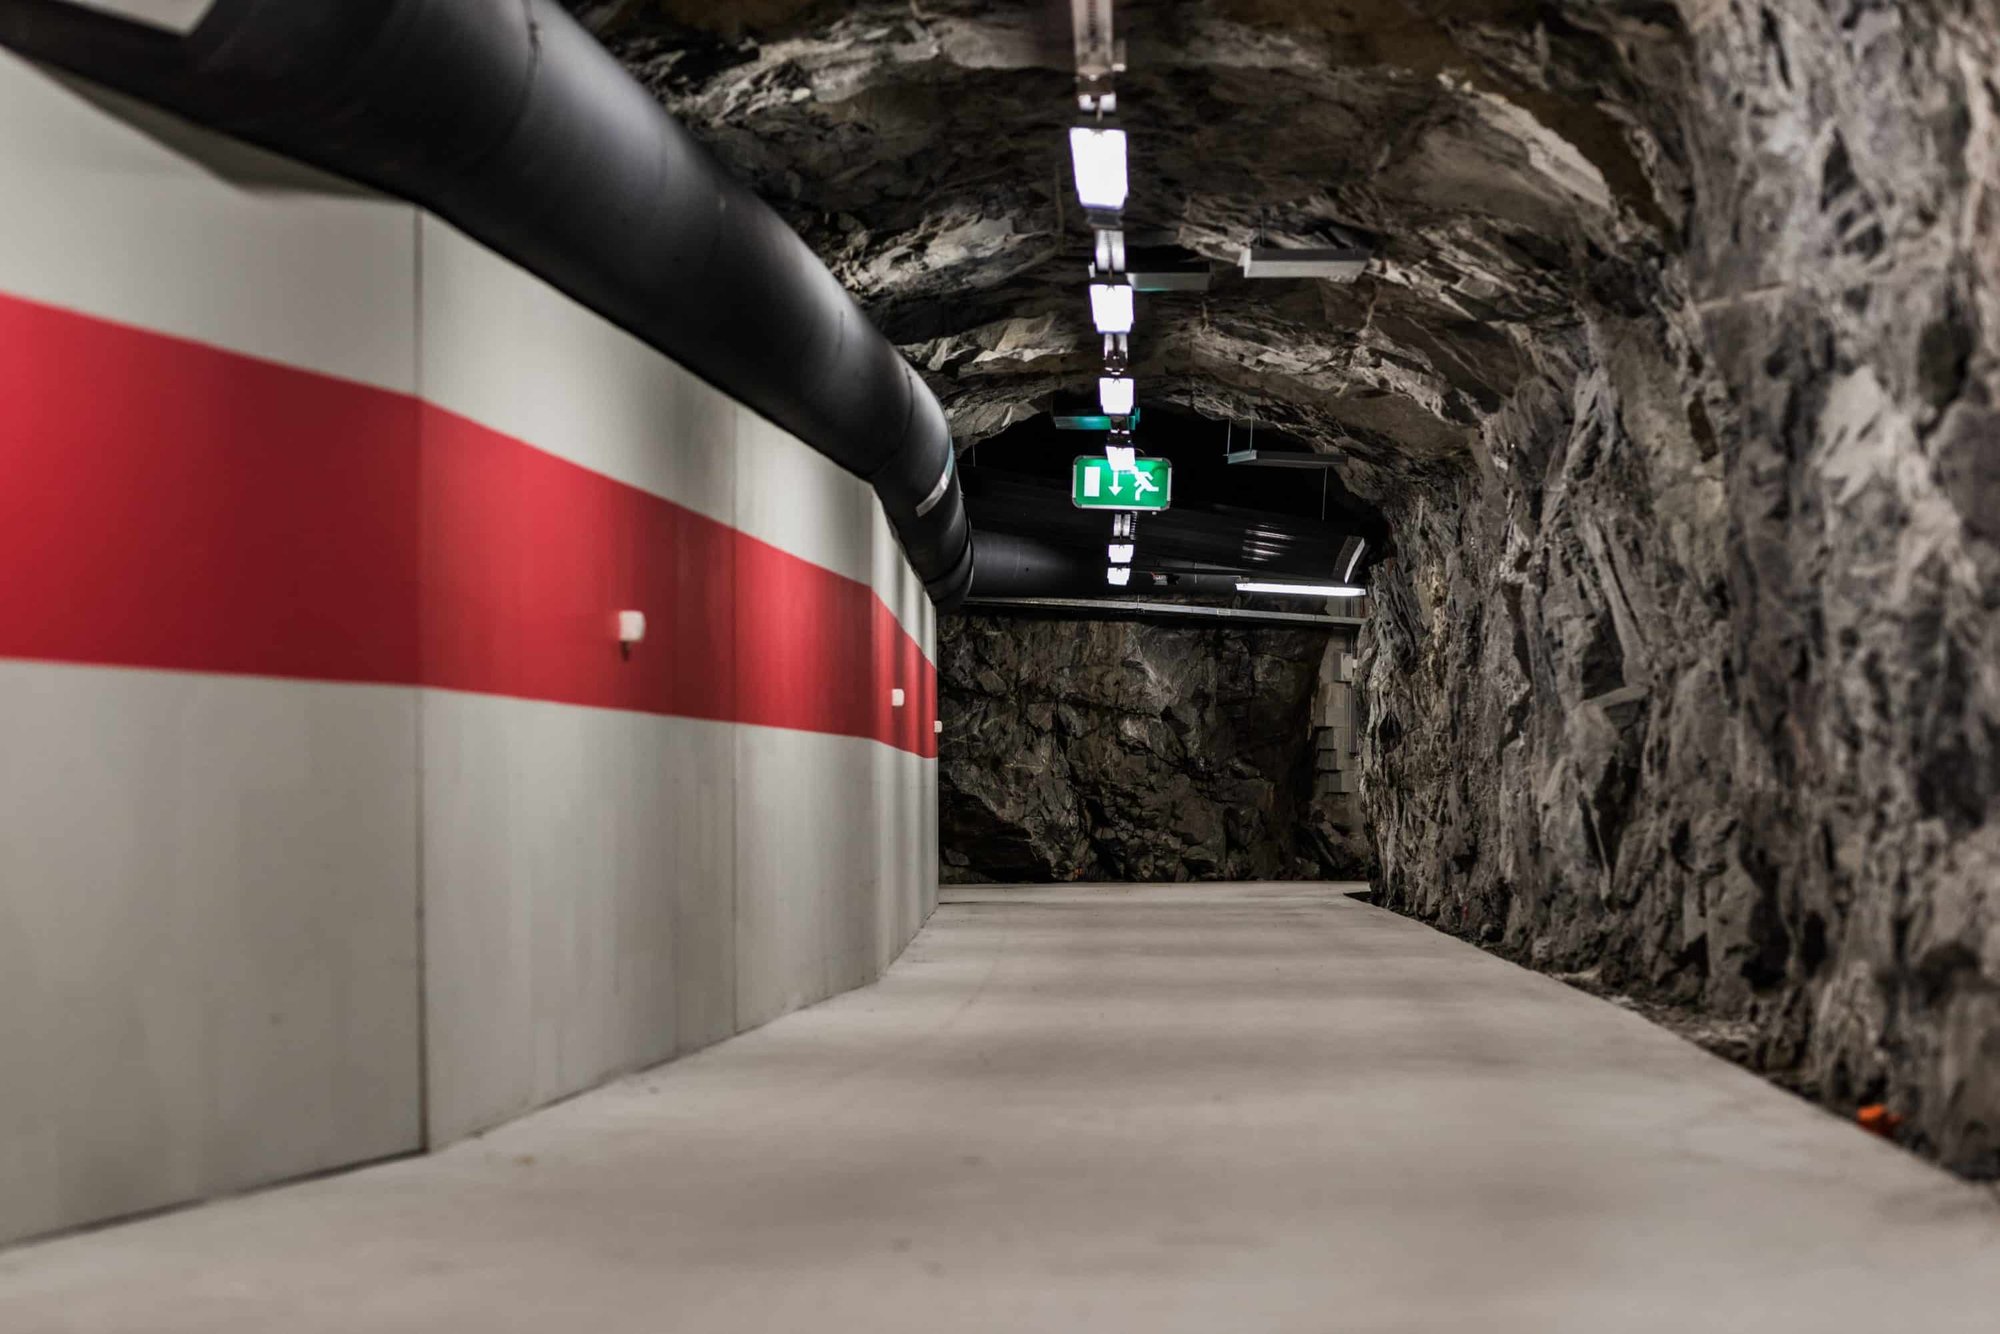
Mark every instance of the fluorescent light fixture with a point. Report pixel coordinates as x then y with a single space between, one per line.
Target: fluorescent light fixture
1168 280
1118 575
1111 307
1121 553
1341 265
1099 159
1122 458
1305 590
1165 268
1114 395
1110 250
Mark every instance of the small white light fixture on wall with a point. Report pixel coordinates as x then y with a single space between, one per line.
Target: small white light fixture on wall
937 726
896 698
631 630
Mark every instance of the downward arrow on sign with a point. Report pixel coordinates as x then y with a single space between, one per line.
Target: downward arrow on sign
1116 488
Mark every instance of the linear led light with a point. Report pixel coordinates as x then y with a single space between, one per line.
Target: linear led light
1111 307
1118 575
1305 590
1099 159
1121 553
1340 264
1165 268
1114 395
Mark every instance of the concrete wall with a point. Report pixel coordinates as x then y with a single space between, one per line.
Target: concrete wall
333 823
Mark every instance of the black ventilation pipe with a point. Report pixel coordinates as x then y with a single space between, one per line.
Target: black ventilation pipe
1015 566
507 119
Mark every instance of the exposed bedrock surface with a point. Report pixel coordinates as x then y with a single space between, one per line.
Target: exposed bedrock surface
1690 684
1676 375
1118 751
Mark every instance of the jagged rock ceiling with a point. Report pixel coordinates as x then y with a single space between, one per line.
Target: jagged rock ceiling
919 148
1676 379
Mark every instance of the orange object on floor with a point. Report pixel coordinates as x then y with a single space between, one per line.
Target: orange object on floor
1878 1119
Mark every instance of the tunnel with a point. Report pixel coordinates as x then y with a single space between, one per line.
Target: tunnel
945 665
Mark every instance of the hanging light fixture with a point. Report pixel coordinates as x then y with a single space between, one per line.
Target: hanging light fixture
1111 307
1303 590
1097 156
1110 246
1115 395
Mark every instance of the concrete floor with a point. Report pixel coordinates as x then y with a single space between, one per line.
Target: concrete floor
1211 1109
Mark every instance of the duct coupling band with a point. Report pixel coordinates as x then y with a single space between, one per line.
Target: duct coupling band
929 502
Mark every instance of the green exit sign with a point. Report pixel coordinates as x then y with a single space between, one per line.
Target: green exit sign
1147 485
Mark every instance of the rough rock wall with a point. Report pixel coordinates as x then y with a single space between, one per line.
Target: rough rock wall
1675 369
1121 751
1691 684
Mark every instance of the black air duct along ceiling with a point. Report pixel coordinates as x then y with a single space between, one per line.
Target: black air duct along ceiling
511 122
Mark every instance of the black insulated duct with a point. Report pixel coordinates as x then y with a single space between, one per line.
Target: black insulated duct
507 119
1014 566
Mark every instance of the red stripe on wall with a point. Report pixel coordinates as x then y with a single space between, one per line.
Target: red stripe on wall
171 505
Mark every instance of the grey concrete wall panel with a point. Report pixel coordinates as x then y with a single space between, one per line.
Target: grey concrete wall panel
208 946
514 124
557 845
252 929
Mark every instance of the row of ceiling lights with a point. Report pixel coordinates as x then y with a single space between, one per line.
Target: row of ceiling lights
1098 160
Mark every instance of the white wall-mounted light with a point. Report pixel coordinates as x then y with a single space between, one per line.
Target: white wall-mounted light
896 697
1099 159
1111 307
1305 590
1118 575
937 727
631 627
1115 395
1121 553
